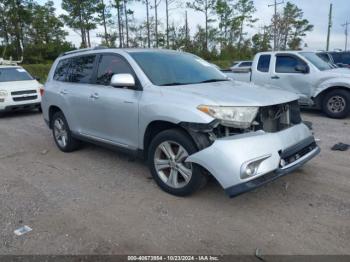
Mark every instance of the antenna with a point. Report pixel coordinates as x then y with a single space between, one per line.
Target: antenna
275 24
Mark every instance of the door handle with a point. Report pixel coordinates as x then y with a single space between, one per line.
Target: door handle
64 92
94 96
275 77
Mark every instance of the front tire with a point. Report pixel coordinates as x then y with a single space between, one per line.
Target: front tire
166 158
336 104
62 134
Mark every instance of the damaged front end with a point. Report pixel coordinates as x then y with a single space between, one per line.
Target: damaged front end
241 158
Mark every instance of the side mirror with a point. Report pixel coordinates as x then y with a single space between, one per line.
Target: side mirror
302 69
37 78
122 80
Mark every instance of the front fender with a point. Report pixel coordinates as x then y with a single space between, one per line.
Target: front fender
171 113
333 82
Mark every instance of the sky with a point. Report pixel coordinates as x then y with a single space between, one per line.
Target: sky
316 11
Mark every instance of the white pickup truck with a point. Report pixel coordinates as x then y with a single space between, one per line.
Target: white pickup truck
317 83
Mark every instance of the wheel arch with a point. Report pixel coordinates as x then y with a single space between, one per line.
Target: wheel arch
319 96
53 110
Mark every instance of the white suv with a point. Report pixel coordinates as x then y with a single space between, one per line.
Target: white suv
18 89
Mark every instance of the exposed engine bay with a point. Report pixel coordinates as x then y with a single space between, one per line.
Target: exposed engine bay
270 119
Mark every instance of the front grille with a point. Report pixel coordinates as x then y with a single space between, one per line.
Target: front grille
278 117
24 92
24 98
289 158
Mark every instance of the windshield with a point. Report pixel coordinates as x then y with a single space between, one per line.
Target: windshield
317 61
174 68
14 74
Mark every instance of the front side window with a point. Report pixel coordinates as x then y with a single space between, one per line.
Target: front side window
264 63
245 64
110 65
81 69
14 74
61 70
288 64
175 68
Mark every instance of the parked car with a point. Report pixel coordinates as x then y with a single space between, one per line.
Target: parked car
340 59
182 114
18 89
317 83
241 66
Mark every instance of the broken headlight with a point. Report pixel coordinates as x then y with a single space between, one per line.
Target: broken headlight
238 117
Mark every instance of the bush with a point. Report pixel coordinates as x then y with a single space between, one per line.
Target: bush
38 71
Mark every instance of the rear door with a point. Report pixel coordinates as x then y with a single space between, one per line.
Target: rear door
76 92
114 114
261 72
286 76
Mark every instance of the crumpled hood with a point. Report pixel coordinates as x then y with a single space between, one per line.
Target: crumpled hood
235 93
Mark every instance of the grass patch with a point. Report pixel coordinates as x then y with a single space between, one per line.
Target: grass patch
38 70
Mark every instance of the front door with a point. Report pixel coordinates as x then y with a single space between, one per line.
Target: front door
115 110
287 76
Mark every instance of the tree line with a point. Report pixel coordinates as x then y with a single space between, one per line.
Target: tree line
35 31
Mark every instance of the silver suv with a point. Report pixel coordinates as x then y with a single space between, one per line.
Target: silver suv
182 114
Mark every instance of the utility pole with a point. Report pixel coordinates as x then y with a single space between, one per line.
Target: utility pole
346 34
275 23
329 26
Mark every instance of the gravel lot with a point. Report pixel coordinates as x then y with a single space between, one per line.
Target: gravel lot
95 201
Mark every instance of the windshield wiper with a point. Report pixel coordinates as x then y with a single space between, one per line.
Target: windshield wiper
175 84
213 80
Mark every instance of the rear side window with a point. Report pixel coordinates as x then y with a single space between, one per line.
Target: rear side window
81 69
287 64
110 65
264 63
245 64
14 74
61 70
341 58
324 57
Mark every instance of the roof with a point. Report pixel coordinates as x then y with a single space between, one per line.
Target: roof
128 50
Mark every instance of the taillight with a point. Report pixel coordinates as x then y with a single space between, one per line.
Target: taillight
42 91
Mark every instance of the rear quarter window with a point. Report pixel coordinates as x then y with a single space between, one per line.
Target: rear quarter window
61 71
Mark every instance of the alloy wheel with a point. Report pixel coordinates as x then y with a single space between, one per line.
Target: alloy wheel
60 132
169 162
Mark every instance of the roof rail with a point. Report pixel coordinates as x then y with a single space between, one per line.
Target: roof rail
82 50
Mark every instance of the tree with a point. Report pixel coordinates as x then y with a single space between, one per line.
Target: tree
206 7
245 9
80 17
104 18
155 6
224 12
147 4
261 41
291 27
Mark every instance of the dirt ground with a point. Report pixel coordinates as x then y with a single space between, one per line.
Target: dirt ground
95 201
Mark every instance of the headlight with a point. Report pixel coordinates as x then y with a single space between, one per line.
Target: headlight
3 93
239 117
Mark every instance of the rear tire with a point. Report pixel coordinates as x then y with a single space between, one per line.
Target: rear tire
336 104
62 134
166 159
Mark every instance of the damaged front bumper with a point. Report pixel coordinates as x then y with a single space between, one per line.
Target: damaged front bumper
243 162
